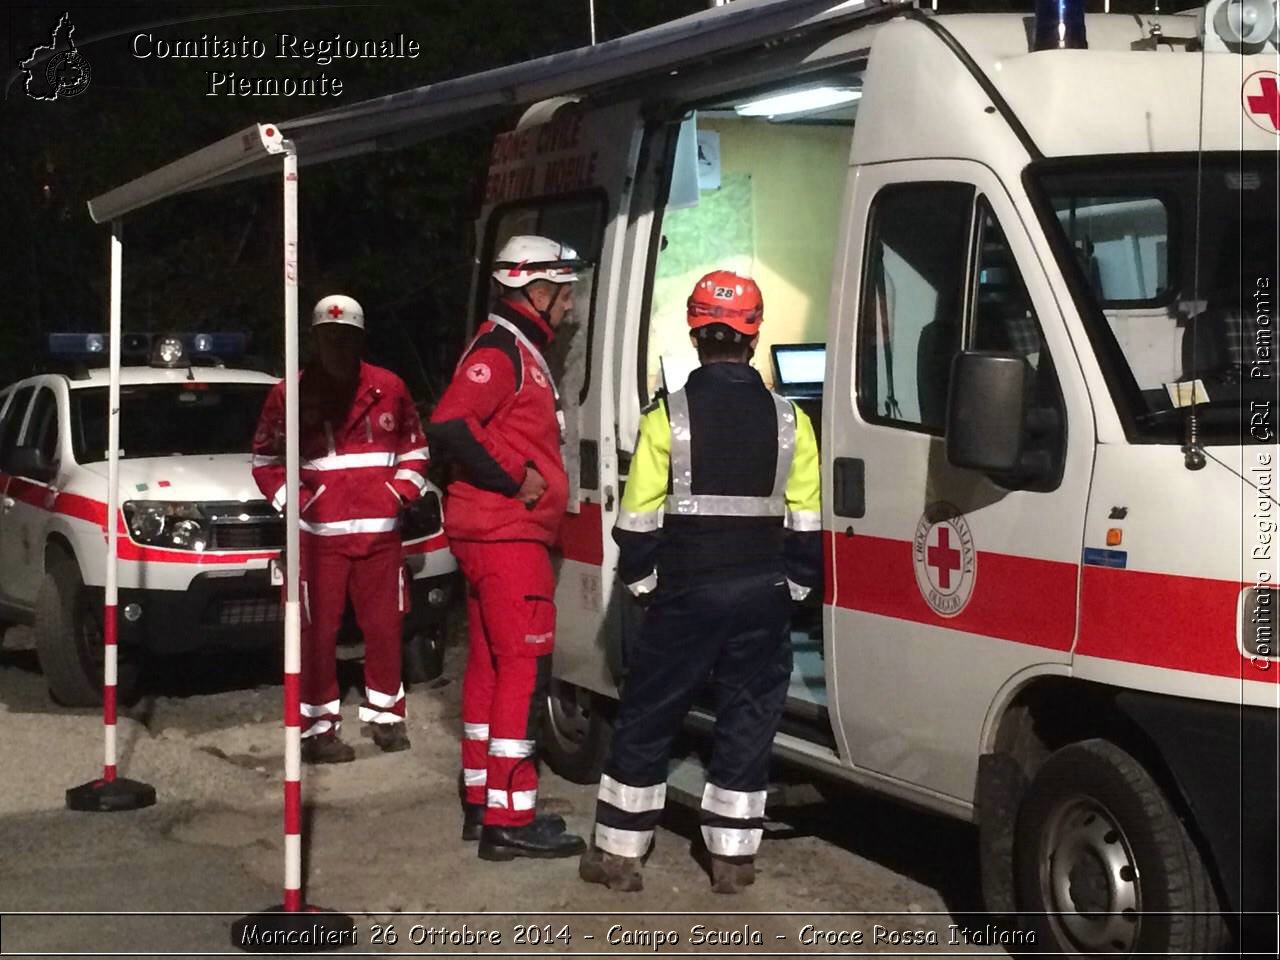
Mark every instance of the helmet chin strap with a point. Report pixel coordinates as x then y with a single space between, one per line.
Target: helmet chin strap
544 314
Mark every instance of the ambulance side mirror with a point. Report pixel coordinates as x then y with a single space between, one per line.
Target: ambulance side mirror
985 412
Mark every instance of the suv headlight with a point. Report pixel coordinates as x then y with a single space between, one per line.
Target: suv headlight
161 523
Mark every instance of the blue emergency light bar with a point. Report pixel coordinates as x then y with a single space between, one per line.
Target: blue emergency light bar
135 347
1059 25
91 346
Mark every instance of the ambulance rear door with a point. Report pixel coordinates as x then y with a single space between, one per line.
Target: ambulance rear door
566 172
950 588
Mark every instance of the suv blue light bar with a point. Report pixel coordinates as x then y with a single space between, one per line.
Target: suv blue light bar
137 347
92 346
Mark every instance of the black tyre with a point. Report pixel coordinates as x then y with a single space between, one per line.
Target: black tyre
1103 865
68 632
577 729
422 657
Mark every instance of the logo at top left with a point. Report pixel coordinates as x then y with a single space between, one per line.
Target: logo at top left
56 70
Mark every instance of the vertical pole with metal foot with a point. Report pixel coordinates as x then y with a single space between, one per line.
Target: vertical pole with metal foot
111 793
325 929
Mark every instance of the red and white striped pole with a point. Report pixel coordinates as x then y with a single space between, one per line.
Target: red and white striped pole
111 793
292 605
293 915
109 623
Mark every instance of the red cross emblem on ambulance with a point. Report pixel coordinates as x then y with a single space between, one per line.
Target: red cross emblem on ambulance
1260 96
945 561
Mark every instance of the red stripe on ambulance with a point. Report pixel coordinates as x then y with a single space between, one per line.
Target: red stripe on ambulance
1131 616
1159 620
1014 598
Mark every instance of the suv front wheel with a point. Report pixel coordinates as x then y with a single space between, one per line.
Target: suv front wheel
68 630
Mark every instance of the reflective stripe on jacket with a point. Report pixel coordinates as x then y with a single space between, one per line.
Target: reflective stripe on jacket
496 419
725 474
364 455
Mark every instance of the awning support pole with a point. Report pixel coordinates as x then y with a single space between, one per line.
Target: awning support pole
110 793
293 916
292 605
109 622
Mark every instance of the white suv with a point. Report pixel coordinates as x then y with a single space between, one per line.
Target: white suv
197 536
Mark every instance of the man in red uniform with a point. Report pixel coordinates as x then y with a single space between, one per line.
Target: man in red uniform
498 423
364 456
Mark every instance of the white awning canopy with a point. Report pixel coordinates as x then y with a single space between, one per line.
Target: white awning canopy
400 119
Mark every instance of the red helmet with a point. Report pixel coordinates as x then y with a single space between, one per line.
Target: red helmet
724 297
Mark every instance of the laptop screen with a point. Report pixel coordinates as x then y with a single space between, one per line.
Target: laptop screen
800 365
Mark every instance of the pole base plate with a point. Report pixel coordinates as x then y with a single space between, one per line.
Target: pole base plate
308 930
111 796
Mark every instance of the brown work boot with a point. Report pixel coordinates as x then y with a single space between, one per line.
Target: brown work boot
732 874
616 873
326 748
390 737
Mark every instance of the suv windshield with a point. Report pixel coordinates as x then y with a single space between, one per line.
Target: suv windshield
168 419
1173 319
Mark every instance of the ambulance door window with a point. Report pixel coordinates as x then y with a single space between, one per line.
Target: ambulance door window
579 221
11 423
1003 320
912 306
42 430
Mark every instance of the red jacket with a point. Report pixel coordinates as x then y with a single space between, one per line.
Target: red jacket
363 453
496 419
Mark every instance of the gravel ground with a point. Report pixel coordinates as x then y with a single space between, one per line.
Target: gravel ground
381 837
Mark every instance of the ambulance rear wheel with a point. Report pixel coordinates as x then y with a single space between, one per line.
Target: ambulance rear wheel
577 731
1103 864
68 631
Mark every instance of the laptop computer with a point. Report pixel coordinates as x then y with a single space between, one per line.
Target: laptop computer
799 369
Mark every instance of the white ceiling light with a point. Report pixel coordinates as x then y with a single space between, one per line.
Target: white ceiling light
813 100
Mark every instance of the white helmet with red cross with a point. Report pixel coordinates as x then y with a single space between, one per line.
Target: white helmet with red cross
338 309
524 259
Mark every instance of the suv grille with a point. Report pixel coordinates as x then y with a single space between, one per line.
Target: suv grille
255 534
253 525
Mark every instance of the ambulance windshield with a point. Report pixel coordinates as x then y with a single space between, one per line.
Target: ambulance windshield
1174 320
168 419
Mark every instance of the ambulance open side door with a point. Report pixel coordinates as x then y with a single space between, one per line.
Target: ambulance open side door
567 172
951 588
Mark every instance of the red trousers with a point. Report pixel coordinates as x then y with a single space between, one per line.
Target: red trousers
370 569
511 616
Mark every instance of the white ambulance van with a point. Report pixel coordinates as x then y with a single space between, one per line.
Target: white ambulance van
1026 286
196 534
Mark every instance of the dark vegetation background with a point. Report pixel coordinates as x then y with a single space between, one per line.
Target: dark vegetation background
394 230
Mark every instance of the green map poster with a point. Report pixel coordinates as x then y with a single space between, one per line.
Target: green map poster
718 233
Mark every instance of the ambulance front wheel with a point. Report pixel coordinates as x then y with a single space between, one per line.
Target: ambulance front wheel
1104 865
68 630
577 728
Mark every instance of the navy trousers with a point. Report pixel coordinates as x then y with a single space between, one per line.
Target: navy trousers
735 635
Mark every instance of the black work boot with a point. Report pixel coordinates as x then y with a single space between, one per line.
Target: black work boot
390 737
473 820
732 874
544 839
326 748
615 872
